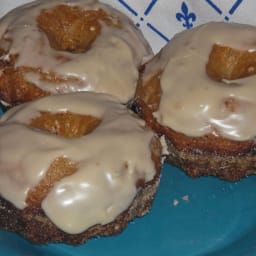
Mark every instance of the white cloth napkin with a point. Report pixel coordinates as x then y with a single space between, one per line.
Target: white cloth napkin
161 19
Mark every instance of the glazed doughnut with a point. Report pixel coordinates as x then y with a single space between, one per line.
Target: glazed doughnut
94 160
57 46
199 91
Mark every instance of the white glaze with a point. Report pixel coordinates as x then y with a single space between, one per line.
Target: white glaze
110 160
110 66
191 102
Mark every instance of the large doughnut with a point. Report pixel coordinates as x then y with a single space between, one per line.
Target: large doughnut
57 46
91 158
199 91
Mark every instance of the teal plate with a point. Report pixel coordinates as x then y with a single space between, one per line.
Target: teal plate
189 217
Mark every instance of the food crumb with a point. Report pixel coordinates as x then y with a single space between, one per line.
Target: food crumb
185 198
175 202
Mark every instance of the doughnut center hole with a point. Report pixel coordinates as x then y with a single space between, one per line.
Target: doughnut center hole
65 124
71 28
226 63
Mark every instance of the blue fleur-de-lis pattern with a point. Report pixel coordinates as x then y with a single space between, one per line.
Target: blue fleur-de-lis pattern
161 19
185 16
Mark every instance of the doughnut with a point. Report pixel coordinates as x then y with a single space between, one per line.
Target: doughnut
58 46
199 93
92 158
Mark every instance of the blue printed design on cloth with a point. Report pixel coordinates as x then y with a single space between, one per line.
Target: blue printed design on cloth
233 8
185 16
147 11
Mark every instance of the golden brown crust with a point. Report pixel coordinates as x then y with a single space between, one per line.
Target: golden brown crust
14 89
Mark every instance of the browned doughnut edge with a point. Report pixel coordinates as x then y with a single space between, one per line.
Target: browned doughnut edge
34 225
203 156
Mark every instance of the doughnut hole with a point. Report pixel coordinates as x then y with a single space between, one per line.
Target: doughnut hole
70 28
230 64
68 125
65 124
150 92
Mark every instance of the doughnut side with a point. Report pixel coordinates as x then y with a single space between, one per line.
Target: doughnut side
103 190
34 225
207 155
199 93
14 89
204 160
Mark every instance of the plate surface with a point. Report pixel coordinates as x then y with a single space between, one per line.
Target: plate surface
189 217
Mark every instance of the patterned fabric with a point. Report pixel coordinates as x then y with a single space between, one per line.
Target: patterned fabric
161 19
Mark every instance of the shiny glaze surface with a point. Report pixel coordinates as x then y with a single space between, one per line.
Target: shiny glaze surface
110 160
109 66
193 103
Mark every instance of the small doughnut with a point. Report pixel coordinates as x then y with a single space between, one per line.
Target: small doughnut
57 46
199 92
91 158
